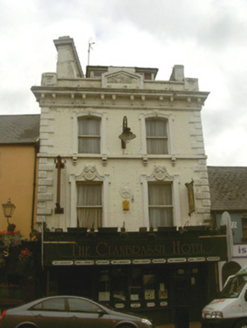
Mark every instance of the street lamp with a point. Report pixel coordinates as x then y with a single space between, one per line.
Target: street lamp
8 210
126 136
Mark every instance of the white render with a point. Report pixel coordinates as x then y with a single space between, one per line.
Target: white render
120 91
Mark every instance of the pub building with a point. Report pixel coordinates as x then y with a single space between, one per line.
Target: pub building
119 148
159 273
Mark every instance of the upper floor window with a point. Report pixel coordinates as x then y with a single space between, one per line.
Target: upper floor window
156 135
160 204
89 205
89 135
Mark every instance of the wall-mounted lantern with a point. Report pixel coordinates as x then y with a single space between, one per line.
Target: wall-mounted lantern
8 211
126 135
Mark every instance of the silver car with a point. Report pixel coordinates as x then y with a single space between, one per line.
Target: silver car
69 311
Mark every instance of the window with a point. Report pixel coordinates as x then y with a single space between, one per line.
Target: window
78 305
244 228
147 76
54 304
89 205
156 134
160 204
89 135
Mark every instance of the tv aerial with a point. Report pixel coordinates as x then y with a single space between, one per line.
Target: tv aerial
90 43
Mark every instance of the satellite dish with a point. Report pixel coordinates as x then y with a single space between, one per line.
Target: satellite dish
226 221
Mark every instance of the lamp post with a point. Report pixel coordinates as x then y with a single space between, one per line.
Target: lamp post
8 210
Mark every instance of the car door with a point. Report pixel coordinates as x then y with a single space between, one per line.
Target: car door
83 313
50 313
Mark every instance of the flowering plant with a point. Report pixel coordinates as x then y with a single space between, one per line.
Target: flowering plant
25 254
10 238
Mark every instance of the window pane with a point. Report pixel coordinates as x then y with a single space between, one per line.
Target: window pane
157 146
159 194
56 304
90 217
89 135
77 305
156 128
89 145
160 217
89 194
160 204
244 227
156 137
89 202
89 127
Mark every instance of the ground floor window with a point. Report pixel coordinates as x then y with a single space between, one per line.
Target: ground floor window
133 288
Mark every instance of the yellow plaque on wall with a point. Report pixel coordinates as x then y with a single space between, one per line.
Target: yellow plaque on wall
126 205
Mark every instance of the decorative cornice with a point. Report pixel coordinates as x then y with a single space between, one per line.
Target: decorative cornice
60 96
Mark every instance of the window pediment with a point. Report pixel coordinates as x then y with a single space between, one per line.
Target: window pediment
89 173
160 174
122 79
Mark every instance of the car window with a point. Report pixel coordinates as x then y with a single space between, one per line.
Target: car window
78 305
55 304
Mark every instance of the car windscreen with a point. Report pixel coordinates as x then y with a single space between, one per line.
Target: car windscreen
234 287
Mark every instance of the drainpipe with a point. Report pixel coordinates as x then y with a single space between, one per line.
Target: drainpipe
36 149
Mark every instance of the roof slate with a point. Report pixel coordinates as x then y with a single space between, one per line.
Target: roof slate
19 129
228 188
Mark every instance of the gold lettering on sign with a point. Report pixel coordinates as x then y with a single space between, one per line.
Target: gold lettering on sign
104 249
186 249
81 251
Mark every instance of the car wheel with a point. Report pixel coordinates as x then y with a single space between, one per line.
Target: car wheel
241 324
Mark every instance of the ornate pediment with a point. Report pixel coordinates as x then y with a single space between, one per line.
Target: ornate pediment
89 173
160 174
122 79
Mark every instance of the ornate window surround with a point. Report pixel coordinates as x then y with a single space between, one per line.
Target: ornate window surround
155 114
103 142
160 174
89 173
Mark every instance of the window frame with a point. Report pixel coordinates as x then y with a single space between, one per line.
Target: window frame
89 136
158 137
156 115
161 175
78 207
88 174
77 115
160 206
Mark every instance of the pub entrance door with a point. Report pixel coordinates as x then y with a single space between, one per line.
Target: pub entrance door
190 290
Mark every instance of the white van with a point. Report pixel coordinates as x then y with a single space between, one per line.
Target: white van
230 309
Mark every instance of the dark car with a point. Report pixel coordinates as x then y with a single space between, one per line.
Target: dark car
69 311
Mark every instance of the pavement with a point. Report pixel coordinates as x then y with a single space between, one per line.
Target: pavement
192 325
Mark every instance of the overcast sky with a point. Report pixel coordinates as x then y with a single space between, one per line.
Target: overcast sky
208 37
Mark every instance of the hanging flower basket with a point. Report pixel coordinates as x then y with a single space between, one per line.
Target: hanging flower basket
9 243
26 259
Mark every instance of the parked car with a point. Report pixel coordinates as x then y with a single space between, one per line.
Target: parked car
69 311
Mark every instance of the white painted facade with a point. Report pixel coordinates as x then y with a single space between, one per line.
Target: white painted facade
109 94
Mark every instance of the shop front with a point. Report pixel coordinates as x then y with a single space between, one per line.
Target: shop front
162 274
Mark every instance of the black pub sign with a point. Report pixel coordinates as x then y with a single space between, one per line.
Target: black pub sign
132 247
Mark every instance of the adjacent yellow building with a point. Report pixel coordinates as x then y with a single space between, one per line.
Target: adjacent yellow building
18 149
